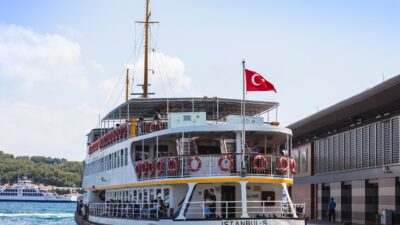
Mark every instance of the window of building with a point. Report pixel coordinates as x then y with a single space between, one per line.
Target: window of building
304 161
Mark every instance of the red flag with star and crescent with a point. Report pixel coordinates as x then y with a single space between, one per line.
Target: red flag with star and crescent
255 82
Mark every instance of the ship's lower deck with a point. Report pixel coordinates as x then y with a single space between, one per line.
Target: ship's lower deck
241 202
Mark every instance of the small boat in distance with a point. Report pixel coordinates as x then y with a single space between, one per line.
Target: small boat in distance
25 191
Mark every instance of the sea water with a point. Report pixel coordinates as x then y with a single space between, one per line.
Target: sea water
34 213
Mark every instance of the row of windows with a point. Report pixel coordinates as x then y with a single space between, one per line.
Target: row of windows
368 146
111 161
8 194
32 194
29 190
11 190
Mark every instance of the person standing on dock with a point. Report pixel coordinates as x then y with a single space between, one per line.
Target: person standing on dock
331 207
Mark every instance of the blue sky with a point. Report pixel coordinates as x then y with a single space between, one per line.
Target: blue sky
60 60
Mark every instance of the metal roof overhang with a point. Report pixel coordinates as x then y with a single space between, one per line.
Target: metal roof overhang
380 99
215 108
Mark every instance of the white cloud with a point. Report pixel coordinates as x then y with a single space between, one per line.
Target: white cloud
169 78
50 104
33 58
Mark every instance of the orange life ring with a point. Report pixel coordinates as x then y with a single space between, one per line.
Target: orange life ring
160 166
263 166
151 167
138 169
281 161
174 168
223 159
144 167
293 166
191 168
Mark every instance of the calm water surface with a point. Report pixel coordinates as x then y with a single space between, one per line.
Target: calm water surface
25 213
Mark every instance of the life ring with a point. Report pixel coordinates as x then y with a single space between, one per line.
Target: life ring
138 169
283 160
151 167
293 166
151 127
260 168
190 164
160 166
144 167
155 126
222 163
174 168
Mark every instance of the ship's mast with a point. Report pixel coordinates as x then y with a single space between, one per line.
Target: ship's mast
146 23
146 52
127 85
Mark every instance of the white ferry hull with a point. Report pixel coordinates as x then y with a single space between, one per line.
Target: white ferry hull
38 200
270 221
31 200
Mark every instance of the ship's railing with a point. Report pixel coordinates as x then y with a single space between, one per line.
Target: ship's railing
150 126
197 210
233 209
213 165
130 210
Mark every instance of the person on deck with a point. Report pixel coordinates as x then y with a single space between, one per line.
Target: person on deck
213 204
206 204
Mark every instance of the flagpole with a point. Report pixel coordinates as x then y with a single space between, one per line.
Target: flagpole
243 119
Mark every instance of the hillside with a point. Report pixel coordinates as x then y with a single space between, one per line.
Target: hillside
40 169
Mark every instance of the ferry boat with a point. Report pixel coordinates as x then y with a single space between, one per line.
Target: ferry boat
190 161
25 191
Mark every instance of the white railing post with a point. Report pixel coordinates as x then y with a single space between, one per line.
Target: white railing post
226 210
243 189
204 215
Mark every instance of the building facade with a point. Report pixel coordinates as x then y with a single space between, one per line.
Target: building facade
351 152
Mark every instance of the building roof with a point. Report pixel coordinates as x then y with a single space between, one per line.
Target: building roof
375 102
215 108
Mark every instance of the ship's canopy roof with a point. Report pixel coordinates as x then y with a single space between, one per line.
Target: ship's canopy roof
215 108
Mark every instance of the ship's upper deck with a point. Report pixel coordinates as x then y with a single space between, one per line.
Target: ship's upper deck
215 108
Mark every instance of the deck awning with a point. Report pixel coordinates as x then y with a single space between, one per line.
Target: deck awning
215 108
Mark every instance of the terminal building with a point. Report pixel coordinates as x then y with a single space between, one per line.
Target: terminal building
350 152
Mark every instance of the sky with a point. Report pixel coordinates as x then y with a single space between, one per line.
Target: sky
62 63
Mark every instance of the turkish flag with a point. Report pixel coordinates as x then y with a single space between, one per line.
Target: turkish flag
255 82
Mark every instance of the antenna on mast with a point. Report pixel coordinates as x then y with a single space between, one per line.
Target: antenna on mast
147 22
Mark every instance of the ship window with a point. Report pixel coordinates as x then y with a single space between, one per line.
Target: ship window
166 196
145 196
126 156
135 198
158 192
187 118
162 150
140 196
122 158
151 197
115 160
138 152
